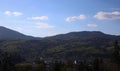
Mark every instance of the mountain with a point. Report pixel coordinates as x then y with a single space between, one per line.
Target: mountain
83 35
85 44
81 44
8 34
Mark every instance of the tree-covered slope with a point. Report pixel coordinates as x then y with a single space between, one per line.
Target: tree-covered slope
72 45
8 34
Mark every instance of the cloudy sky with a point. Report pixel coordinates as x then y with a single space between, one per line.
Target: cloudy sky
42 18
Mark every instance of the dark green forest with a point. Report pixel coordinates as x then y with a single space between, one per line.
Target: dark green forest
14 62
75 51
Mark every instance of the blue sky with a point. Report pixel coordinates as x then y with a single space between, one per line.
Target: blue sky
43 18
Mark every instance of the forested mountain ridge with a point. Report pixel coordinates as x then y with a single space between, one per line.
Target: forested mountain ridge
72 45
8 34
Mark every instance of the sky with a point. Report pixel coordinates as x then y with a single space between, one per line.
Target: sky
41 18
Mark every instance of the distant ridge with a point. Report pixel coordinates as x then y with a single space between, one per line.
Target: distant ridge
63 46
8 34
82 34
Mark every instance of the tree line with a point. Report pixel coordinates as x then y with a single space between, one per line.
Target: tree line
14 62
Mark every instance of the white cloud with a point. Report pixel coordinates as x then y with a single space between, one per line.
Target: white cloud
43 25
7 13
107 15
39 18
74 18
92 25
15 13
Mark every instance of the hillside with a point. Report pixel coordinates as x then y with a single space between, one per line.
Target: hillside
65 46
8 34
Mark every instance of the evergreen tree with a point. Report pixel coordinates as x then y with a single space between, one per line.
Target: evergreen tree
81 66
96 65
57 66
5 62
116 53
